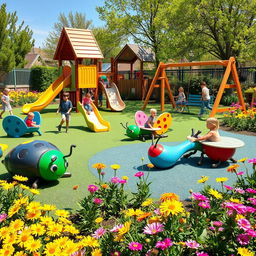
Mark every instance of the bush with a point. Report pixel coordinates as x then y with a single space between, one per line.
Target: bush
227 100
42 77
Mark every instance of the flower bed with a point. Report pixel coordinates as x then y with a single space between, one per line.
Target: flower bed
241 120
112 222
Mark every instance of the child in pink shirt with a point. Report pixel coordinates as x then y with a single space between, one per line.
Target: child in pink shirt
87 100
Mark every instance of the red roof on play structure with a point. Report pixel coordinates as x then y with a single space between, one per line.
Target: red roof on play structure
77 43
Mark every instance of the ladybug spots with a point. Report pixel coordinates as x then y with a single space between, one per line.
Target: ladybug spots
158 121
163 122
38 145
18 122
23 153
165 126
17 130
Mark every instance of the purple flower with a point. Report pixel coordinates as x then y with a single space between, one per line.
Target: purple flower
122 181
92 188
192 244
154 228
204 204
115 180
99 233
240 173
228 187
202 254
250 190
244 224
253 160
217 223
135 246
97 200
252 200
199 197
3 217
166 243
251 233
243 239
139 174
211 228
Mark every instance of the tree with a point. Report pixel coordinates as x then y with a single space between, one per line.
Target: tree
223 28
77 20
15 41
141 20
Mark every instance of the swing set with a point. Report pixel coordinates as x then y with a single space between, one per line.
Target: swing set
230 70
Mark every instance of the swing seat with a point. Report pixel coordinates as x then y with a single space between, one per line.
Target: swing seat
16 127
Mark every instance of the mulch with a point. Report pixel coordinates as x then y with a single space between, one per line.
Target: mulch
229 129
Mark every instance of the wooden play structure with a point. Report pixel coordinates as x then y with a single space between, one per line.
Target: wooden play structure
164 83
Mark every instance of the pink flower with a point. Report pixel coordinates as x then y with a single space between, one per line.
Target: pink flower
239 190
217 223
115 180
251 233
166 243
211 228
220 229
154 228
3 217
243 239
135 246
240 173
92 188
192 244
157 211
99 233
253 160
199 197
244 224
252 200
202 254
250 190
122 181
116 228
204 205
139 174
228 187
102 173
97 200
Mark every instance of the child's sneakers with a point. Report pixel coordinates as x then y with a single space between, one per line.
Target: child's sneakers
59 128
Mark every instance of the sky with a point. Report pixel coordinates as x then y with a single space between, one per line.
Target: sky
41 15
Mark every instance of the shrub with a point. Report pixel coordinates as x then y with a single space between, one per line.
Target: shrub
42 77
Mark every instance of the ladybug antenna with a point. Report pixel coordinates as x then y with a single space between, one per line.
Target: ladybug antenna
160 137
70 152
124 126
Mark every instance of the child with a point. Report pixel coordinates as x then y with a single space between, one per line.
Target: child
6 102
87 100
30 122
151 119
65 108
213 135
205 98
181 98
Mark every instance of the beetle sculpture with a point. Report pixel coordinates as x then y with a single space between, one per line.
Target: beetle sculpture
138 131
39 160
165 157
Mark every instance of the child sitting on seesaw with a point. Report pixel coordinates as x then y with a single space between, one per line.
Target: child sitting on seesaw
30 122
150 122
213 135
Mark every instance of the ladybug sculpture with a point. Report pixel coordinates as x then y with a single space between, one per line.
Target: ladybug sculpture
37 159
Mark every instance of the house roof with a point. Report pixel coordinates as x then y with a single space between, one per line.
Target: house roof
131 52
31 59
77 43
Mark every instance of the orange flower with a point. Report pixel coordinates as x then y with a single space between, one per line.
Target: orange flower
232 168
75 187
169 196
104 185
143 216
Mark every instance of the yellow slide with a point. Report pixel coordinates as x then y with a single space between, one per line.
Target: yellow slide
53 90
113 96
94 121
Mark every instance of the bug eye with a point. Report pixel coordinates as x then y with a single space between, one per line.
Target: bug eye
132 131
54 168
66 164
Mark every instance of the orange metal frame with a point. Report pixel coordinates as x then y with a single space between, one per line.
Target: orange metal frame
230 70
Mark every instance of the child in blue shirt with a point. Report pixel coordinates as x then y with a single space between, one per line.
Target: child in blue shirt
65 108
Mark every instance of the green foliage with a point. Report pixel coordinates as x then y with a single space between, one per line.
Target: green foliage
227 100
15 41
76 20
42 77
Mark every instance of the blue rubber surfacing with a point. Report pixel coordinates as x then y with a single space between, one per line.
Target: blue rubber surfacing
178 179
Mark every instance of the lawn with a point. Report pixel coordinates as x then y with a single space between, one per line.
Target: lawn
89 143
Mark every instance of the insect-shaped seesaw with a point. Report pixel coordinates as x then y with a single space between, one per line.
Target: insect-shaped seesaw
162 156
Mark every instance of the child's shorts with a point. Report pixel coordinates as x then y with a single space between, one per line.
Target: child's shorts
88 107
65 116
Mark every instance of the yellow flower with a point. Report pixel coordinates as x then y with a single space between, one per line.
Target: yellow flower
90 241
242 160
63 220
51 250
24 236
70 248
99 220
7 250
17 224
20 178
31 215
7 186
37 229
54 229
48 207
34 191
22 253
173 207
10 239
147 202
71 229
99 166
61 242
62 213
150 166
221 179
215 193
96 252
131 212
244 251
33 245
169 196
125 178
4 231
45 220
154 219
125 229
235 200
24 187
203 179
115 166
13 209
239 216
34 206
